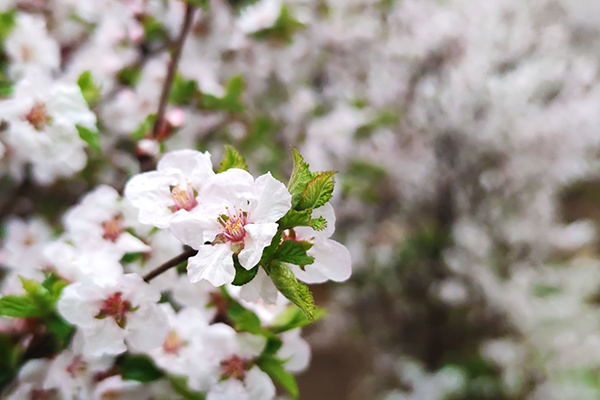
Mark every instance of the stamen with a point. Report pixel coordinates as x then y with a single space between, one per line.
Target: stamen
233 223
184 198
113 228
234 367
37 116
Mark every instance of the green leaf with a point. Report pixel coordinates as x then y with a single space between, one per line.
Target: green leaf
274 343
39 295
139 367
318 191
90 137
131 257
294 218
154 29
232 159
274 368
61 328
183 91
231 101
294 252
145 128
295 291
283 29
7 23
300 176
242 275
180 385
243 319
19 307
55 285
90 92
292 318
129 76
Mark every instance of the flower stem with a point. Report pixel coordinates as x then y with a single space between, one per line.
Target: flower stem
175 56
175 261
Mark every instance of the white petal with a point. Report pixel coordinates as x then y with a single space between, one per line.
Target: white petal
259 385
295 350
213 263
79 304
146 328
258 236
272 200
230 188
261 287
332 262
193 165
194 229
105 338
128 243
149 192
228 390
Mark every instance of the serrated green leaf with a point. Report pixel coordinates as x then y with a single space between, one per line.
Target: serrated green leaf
19 307
232 159
274 368
318 191
89 90
294 218
139 367
294 252
318 224
242 275
90 137
231 101
180 385
295 291
292 317
183 91
300 176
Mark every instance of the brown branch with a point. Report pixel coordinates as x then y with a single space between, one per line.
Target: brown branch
175 261
159 123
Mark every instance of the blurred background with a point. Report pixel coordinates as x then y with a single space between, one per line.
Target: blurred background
467 139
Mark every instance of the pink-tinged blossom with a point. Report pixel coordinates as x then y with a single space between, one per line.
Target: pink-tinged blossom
29 46
177 354
332 259
172 189
227 370
238 215
42 118
23 247
101 220
111 313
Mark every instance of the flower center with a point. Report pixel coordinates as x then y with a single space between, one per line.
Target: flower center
77 367
184 198
172 343
232 224
116 307
234 367
113 228
37 116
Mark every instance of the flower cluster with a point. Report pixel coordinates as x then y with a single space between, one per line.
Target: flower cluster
113 327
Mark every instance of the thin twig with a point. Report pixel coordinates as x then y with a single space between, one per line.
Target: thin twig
175 261
164 96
